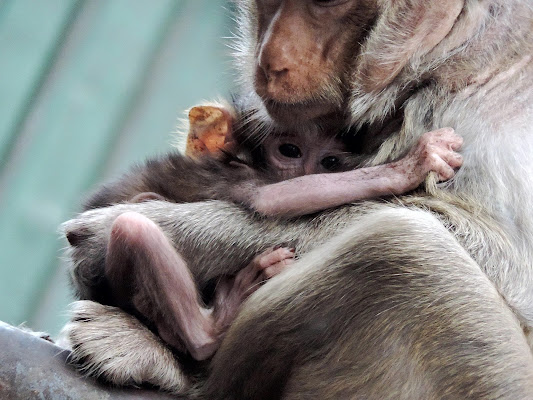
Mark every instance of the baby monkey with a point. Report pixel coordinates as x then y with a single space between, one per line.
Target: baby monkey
287 174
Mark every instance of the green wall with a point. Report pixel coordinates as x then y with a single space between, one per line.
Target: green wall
87 88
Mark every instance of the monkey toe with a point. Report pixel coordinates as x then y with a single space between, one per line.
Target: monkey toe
275 256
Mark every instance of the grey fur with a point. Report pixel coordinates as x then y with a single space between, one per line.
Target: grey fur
421 298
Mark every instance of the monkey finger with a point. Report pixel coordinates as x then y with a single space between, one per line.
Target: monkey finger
444 137
273 257
255 263
277 268
453 159
452 141
443 170
457 143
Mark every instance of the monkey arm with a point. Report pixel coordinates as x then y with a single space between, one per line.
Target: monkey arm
435 151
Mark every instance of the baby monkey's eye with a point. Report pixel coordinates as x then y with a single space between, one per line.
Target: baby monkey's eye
331 163
290 150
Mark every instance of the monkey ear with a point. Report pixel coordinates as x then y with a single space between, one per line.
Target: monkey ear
405 30
209 130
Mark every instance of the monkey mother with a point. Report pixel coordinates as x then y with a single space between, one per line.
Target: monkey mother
399 307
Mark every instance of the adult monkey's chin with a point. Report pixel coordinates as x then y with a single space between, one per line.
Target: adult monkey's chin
293 114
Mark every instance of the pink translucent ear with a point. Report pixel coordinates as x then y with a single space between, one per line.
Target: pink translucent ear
209 130
405 29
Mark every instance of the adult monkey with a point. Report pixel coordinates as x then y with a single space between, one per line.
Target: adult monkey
397 308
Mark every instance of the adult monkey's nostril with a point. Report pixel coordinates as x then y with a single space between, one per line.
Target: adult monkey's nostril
277 73
271 72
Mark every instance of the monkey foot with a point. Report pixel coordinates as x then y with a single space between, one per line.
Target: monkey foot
232 292
273 261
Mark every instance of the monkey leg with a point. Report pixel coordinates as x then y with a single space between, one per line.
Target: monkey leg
216 239
393 308
144 270
109 343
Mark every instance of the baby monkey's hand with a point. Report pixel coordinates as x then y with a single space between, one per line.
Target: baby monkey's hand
435 151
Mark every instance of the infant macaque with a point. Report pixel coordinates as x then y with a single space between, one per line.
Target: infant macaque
289 174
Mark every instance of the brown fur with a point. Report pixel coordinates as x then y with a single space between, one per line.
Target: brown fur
423 298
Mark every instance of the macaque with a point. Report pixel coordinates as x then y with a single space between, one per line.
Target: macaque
146 276
421 296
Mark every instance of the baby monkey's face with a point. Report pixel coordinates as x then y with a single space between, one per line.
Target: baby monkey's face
293 154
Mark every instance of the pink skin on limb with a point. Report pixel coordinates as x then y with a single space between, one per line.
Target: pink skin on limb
147 273
435 151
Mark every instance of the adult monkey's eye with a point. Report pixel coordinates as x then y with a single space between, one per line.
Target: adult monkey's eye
331 163
290 150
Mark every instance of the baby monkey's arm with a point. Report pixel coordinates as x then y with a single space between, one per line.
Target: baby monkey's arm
435 151
203 175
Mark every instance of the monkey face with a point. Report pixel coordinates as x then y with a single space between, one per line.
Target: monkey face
304 54
334 58
294 154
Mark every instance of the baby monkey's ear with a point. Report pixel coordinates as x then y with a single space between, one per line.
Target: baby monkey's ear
210 129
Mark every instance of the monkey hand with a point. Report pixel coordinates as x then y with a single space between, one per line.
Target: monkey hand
435 151
110 344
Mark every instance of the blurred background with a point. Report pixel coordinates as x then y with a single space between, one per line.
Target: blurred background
87 88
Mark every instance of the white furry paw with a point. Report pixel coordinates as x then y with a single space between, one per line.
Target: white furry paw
108 343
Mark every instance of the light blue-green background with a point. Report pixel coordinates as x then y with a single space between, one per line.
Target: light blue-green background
87 88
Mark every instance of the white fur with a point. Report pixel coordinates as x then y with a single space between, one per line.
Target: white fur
105 347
